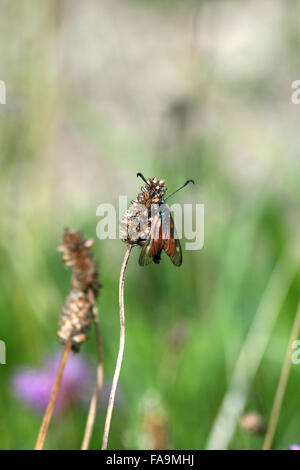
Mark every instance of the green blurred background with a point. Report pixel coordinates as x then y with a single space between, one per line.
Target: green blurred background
97 91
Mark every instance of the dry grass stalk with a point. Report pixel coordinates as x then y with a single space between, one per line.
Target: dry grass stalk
120 353
49 411
95 397
135 228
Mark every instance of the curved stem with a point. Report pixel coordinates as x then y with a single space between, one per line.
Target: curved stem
282 384
120 353
49 411
94 400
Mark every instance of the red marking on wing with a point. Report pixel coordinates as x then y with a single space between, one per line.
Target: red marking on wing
170 246
156 244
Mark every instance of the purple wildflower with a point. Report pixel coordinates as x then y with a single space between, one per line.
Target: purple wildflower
34 386
294 447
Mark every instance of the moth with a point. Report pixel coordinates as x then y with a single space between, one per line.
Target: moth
162 236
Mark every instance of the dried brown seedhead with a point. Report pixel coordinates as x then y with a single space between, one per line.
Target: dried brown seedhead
77 254
136 222
253 422
152 193
78 312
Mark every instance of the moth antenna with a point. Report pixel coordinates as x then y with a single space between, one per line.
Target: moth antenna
181 187
142 176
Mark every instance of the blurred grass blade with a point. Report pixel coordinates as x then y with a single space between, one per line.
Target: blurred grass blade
252 351
282 384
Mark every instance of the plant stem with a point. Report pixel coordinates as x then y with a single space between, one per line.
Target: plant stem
49 411
94 400
120 353
282 385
